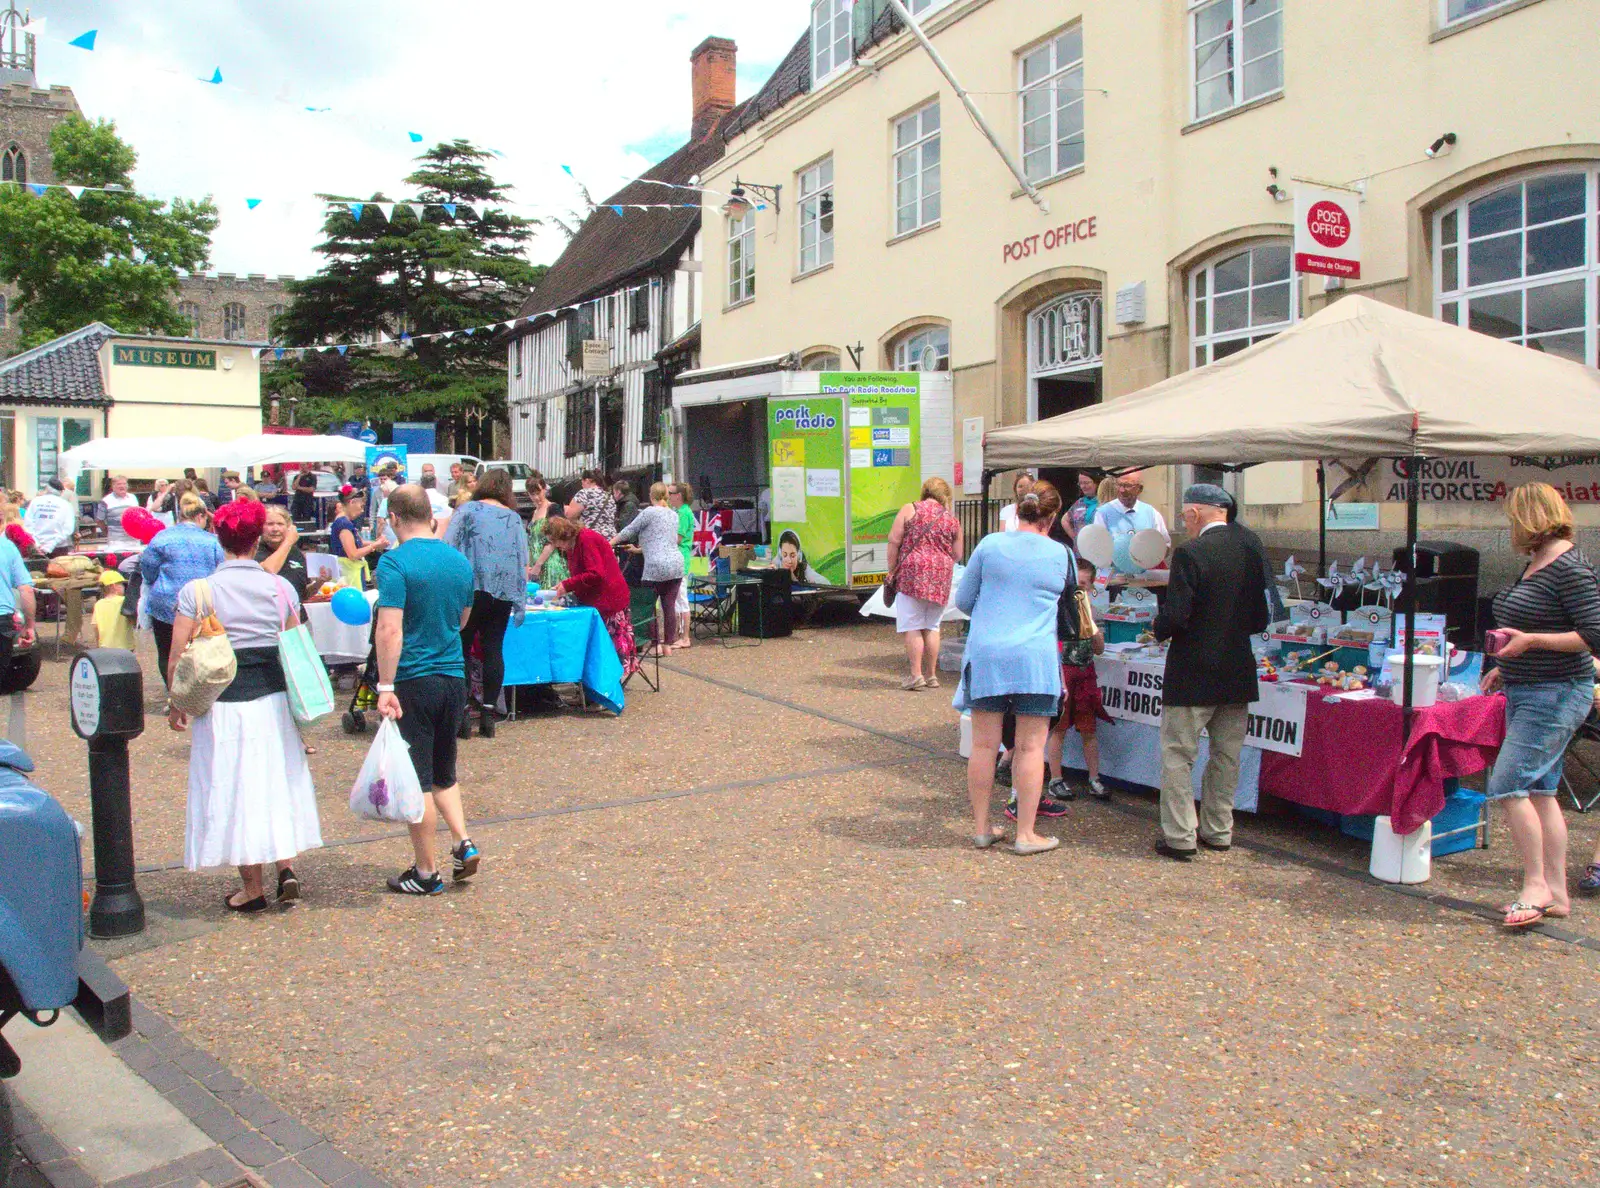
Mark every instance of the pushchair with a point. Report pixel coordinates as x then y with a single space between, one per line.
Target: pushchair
365 695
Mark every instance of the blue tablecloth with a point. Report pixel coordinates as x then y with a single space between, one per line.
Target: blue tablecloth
1131 752
565 647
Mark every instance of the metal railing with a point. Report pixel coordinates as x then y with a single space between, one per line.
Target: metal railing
973 529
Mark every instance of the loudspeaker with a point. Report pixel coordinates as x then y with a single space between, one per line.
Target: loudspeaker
766 611
1446 583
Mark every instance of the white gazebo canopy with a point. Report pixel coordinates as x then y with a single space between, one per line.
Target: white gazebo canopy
1357 379
175 453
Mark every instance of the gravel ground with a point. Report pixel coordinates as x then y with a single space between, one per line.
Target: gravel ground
782 966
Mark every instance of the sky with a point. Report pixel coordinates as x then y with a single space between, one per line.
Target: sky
547 83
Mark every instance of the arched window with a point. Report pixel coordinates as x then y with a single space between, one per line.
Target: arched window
1238 298
1065 334
821 361
233 321
925 345
190 312
14 165
1513 261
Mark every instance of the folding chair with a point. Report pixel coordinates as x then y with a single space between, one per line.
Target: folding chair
1588 732
642 612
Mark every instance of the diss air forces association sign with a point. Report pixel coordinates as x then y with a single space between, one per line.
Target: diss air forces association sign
187 358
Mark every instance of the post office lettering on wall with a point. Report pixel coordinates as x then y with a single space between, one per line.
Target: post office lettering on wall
1071 232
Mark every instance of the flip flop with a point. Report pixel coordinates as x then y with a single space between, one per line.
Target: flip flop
1551 913
1539 911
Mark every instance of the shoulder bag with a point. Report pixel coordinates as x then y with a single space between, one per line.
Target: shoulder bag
207 666
305 677
891 584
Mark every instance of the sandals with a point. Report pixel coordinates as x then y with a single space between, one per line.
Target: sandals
1515 909
930 682
912 684
1590 883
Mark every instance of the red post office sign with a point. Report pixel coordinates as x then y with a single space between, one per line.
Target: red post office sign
1327 239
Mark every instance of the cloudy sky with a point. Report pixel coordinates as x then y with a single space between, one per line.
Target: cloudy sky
601 86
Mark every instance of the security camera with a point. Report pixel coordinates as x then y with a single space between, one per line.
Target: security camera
1443 145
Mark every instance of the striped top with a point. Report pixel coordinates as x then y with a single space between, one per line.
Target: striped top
1563 596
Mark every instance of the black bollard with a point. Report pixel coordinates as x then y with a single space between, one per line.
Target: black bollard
107 695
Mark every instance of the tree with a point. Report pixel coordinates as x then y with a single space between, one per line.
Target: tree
108 257
403 274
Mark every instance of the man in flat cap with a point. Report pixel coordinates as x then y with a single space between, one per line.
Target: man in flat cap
1216 600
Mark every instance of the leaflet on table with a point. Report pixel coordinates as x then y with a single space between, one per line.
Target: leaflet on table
1131 690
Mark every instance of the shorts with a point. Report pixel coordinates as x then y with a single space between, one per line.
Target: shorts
1541 719
1080 698
432 707
916 614
1024 705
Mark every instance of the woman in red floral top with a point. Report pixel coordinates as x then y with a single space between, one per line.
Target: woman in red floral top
924 545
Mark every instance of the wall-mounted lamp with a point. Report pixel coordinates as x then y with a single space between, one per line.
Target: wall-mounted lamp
738 204
1443 145
1279 194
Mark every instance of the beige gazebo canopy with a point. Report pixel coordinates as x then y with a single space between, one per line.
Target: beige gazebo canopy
1357 379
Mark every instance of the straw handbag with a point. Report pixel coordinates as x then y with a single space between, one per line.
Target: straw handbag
207 665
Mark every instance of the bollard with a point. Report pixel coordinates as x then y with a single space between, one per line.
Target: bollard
107 696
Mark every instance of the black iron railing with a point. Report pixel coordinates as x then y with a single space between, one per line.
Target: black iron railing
973 529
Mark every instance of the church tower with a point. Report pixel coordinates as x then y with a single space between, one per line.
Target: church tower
28 114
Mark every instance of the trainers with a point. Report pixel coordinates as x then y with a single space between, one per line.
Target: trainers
409 882
1047 808
464 860
1059 789
1098 790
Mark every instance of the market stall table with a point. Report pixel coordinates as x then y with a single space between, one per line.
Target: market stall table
339 642
565 647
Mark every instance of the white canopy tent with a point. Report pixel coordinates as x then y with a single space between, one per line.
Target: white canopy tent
1357 379
175 453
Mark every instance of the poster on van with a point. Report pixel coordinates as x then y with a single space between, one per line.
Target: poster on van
805 438
885 423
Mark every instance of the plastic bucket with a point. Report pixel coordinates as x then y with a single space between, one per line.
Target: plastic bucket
965 747
1425 674
1401 858
952 650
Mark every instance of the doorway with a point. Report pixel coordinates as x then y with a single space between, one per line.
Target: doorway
1059 394
612 409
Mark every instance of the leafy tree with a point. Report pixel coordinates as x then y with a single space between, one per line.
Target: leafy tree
404 274
108 257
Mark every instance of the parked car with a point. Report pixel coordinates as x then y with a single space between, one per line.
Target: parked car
41 914
441 466
520 473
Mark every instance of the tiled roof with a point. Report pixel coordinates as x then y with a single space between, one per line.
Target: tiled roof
65 370
610 248
790 80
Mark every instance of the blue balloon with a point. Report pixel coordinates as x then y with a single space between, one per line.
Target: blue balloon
1123 561
350 606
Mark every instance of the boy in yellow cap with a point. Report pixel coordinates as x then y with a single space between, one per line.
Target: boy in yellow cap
111 629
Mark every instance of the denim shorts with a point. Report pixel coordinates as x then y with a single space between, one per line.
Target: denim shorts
1541 719
1025 705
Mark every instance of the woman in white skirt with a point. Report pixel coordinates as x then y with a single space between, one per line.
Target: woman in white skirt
924 545
250 796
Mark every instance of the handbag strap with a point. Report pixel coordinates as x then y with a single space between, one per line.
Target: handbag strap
907 538
286 613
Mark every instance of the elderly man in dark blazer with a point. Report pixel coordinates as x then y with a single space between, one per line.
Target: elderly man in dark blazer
1216 600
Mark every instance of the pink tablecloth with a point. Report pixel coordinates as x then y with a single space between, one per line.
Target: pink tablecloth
1351 761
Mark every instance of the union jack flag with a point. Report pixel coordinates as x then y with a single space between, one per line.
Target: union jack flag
708 529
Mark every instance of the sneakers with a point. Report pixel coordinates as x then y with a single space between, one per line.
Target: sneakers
409 882
464 860
1047 808
1059 789
1098 790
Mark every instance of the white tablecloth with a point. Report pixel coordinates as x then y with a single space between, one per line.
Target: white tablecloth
339 643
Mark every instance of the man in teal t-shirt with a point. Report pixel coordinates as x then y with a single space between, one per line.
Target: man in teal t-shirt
424 596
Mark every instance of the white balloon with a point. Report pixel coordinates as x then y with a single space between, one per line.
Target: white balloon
1096 545
1148 548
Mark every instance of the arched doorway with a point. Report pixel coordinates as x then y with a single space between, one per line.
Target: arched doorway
1064 369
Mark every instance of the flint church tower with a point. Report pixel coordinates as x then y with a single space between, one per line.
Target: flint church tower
27 116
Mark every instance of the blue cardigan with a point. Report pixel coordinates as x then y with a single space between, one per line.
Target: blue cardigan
1011 589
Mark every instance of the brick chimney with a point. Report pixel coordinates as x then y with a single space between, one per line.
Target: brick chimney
715 61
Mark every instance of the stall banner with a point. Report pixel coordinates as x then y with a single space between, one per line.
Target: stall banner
1131 690
885 410
806 444
1490 480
